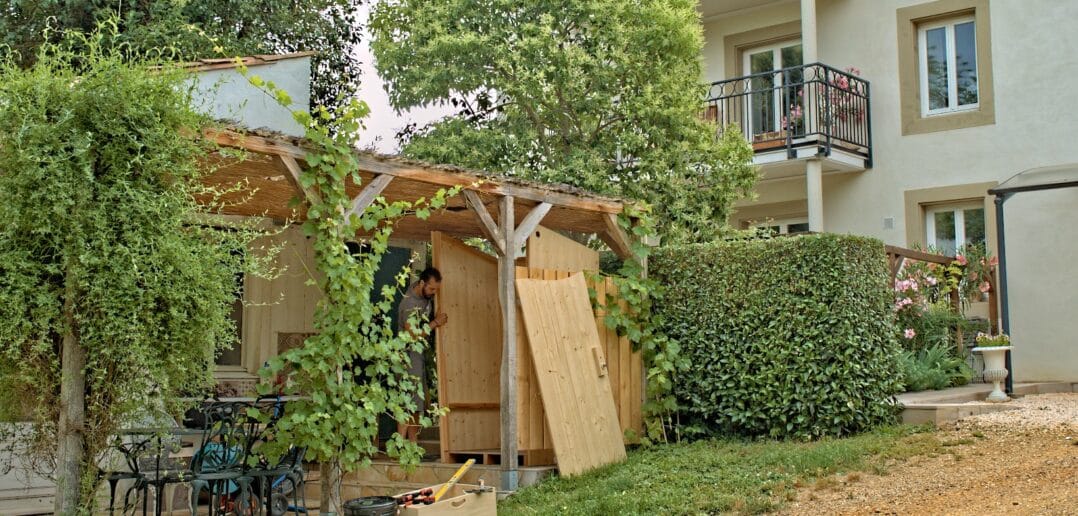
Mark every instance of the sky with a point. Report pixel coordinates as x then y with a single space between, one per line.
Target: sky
384 122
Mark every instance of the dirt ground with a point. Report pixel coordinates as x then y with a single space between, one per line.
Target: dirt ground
1023 461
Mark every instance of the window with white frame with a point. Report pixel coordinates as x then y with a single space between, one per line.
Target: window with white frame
953 226
948 65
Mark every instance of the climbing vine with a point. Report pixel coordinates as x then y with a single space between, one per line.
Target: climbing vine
355 367
113 298
635 319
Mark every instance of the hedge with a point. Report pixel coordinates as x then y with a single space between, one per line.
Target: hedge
789 337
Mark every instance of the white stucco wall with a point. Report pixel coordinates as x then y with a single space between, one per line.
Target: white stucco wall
1033 70
227 95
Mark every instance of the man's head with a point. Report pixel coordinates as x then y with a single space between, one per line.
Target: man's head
430 280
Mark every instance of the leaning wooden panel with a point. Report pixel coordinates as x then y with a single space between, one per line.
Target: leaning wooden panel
547 249
572 374
469 346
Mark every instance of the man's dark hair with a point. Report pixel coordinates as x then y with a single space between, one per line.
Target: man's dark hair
428 273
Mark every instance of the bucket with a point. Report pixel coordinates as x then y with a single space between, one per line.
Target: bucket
371 506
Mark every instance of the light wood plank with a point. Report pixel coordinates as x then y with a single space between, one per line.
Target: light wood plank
561 330
469 346
547 249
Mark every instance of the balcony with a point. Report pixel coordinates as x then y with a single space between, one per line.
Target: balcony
798 113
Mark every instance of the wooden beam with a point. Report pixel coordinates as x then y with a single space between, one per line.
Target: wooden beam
370 192
530 222
424 174
294 171
235 221
507 292
486 222
615 237
920 256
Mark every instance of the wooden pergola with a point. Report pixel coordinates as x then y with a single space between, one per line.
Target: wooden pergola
502 211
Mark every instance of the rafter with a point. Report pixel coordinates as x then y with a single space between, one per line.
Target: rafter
615 237
370 192
486 222
294 172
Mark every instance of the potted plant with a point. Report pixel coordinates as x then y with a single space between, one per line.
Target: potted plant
994 349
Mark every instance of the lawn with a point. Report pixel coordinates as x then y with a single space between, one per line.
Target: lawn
717 476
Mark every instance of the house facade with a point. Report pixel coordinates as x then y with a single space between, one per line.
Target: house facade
916 109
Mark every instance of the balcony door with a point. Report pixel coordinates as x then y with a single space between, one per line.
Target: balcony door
767 100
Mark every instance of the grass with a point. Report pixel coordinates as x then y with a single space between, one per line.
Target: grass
719 476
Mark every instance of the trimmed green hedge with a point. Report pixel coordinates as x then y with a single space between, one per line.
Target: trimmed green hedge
789 337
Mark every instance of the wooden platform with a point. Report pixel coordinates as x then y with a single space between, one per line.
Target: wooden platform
494 457
385 478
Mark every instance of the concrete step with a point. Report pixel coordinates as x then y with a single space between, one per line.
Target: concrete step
948 405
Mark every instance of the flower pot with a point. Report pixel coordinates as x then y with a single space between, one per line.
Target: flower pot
995 369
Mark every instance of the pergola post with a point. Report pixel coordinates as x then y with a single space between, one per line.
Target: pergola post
508 295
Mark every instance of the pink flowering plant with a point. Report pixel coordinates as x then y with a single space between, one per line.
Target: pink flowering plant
978 272
922 306
846 97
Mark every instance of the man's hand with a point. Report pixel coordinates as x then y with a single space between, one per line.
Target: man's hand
439 320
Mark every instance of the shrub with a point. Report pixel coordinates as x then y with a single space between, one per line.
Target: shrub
791 337
934 367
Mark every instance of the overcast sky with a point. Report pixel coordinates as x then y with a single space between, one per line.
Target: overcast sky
384 122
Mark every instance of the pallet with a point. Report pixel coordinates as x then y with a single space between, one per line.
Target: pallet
494 457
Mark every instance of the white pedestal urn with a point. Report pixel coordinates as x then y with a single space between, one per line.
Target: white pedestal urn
995 369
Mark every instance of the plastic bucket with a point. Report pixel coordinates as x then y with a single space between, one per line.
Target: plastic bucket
371 506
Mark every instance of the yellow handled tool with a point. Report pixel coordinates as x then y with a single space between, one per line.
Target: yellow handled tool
453 480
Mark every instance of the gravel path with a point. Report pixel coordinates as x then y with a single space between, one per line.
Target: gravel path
1022 461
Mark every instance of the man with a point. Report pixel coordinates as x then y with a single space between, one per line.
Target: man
418 301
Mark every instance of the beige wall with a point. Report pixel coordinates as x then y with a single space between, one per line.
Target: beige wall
1033 68
1042 228
282 305
286 303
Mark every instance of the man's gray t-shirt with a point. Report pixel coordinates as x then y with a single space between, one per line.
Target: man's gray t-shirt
413 304
422 307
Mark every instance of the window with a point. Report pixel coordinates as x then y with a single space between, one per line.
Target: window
945 66
765 115
786 226
234 355
948 66
951 227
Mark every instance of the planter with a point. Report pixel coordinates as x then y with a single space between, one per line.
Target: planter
995 369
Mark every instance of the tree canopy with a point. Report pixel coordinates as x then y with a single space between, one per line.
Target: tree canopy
600 94
111 299
330 27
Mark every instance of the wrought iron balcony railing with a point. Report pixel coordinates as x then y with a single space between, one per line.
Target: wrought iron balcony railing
797 107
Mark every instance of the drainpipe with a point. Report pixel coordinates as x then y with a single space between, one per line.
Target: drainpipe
1004 311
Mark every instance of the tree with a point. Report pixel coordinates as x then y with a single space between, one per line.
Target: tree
330 27
111 299
600 94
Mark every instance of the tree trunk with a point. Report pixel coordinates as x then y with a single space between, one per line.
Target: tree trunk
330 478
71 444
